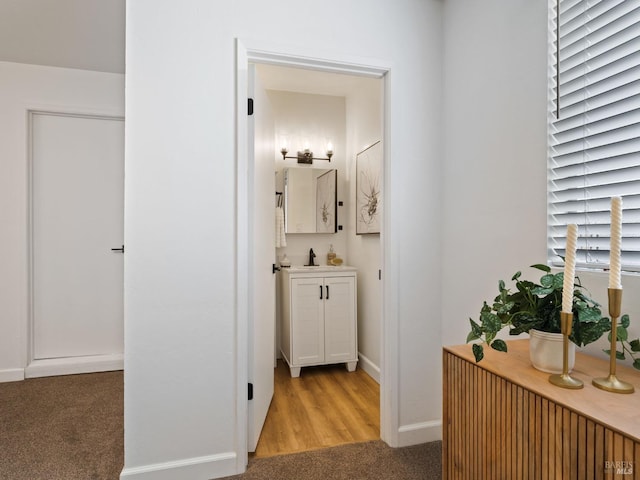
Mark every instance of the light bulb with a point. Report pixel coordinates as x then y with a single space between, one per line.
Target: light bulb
329 148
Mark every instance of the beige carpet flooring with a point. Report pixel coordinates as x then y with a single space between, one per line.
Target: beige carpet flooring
357 461
62 428
71 428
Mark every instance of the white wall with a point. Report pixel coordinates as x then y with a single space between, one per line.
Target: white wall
495 98
494 218
180 315
25 87
365 127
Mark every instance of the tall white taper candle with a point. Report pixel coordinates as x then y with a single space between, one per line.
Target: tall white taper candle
569 268
616 240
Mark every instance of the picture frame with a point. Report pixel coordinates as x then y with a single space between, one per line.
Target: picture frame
369 189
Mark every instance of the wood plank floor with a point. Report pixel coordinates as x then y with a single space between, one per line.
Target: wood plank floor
324 407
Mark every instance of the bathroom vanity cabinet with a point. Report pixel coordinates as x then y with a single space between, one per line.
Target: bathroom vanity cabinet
319 317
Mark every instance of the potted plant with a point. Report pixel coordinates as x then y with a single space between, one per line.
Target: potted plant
535 307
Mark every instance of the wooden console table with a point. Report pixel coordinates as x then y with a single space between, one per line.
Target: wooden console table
502 419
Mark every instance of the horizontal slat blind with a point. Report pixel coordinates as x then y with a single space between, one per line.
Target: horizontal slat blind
595 128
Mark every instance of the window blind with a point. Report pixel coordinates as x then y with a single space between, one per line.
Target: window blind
594 145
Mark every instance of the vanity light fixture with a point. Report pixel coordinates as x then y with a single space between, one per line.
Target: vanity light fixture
306 156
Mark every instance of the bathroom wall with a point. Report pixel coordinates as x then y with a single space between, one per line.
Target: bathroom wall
317 120
364 127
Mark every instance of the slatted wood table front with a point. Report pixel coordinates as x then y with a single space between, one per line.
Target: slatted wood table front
502 419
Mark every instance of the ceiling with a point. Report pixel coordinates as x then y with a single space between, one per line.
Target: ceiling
309 81
83 34
90 35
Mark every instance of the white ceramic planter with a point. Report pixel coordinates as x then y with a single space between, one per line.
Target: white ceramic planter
545 351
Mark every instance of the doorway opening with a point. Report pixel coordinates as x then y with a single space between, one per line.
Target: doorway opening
247 59
343 113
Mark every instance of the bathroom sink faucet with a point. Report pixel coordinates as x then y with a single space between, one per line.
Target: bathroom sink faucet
311 257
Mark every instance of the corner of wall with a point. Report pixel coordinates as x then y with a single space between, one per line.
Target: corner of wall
417 433
369 367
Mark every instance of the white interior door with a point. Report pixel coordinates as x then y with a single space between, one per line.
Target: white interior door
77 218
261 258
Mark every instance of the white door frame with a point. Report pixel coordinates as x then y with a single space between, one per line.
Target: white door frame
257 52
57 366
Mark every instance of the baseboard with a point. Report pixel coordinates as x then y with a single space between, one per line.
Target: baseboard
419 433
11 375
72 365
199 468
368 366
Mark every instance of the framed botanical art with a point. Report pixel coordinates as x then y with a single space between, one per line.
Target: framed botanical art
368 189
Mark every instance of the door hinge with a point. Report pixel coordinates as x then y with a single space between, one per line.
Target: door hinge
250 391
250 106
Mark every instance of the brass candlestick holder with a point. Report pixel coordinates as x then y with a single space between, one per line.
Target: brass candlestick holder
563 379
611 383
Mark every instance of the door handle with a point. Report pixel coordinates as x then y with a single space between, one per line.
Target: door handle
327 292
118 249
274 269
320 292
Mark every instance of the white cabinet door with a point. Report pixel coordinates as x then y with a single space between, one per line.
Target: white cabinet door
339 319
307 310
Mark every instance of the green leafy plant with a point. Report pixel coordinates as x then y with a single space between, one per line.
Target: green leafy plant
537 306
630 347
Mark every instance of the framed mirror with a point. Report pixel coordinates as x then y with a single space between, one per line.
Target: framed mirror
310 204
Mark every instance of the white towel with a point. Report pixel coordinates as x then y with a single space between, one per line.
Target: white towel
281 240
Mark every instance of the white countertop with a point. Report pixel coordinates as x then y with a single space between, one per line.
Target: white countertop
319 268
